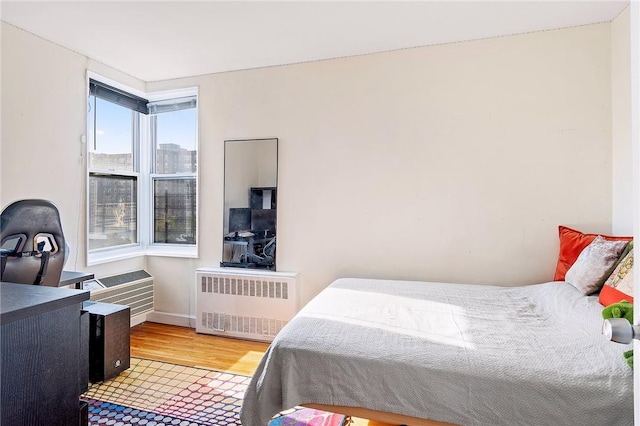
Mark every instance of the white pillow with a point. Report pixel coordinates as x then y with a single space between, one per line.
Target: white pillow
594 264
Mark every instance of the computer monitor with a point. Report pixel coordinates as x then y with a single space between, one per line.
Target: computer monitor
239 219
263 220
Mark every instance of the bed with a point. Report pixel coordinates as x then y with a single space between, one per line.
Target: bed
426 353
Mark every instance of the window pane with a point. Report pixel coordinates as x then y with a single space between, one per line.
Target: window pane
174 211
112 211
175 142
111 136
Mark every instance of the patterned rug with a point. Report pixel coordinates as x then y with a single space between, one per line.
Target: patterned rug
155 393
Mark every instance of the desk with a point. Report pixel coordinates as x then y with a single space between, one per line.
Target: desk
44 354
73 277
247 245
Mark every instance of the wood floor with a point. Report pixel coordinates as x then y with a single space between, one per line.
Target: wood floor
182 345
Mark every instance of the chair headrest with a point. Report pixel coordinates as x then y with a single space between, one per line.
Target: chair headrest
24 225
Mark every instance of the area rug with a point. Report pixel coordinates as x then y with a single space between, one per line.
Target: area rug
155 393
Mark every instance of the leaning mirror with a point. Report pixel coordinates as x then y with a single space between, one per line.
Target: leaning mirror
250 202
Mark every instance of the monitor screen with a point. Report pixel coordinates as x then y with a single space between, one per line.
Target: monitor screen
239 219
263 220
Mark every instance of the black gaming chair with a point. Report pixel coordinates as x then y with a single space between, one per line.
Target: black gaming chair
33 246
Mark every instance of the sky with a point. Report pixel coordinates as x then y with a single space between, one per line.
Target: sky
113 131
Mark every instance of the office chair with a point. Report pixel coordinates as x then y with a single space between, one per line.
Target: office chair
33 246
267 258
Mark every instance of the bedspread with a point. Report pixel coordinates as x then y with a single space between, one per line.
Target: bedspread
465 354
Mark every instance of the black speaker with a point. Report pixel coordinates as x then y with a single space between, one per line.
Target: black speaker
109 346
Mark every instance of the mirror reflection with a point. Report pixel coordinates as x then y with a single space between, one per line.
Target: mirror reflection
250 203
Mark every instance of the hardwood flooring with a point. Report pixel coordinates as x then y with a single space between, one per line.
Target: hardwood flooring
182 345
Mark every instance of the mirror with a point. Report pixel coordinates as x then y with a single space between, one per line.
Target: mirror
250 203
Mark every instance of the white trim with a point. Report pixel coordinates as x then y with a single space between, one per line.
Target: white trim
145 201
172 319
247 272
172 250
144 158
635 152
159 250
114 254
177 93
138 319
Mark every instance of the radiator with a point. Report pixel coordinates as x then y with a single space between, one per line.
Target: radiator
251 304
133 289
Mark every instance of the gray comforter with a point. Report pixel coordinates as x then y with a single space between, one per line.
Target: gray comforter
465 354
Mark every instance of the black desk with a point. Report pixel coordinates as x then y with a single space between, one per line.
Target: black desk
44 354
73 277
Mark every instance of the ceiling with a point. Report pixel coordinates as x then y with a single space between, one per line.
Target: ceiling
170 39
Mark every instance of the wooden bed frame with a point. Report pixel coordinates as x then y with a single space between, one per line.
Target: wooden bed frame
379 416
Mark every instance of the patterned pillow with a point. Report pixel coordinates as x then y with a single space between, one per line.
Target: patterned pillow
594 264
619 285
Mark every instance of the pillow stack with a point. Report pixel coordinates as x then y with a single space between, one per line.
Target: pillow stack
591 262
619 285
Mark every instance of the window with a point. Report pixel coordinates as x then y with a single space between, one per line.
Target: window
113 210
142 171
173 135
174 211
113 169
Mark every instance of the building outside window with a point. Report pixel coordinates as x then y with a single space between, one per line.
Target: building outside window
142 170
113 211
173 135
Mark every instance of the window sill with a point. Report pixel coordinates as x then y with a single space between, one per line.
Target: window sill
154 250
114 255
172 250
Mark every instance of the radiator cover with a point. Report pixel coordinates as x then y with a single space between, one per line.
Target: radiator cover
244 303
133 289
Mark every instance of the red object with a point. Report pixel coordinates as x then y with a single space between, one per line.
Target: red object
572 243
610 295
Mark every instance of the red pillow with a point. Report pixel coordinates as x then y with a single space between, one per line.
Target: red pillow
572 243
610 295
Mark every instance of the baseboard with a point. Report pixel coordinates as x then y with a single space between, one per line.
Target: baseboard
172 319
138 319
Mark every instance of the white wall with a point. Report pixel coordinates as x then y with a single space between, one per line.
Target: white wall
622 223
448 163
43 119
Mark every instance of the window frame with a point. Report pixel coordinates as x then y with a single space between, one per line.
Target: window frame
154 177
116 175
144 156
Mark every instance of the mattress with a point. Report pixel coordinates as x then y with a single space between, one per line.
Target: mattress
458 353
